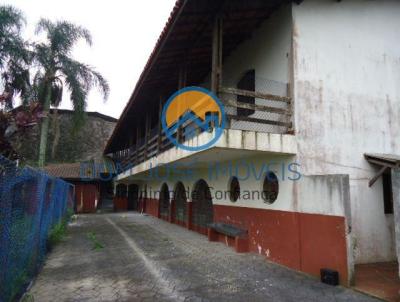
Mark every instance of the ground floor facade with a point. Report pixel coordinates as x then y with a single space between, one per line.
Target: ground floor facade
304 221
295 220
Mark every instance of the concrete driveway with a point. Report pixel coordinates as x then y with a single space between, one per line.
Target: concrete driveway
131 257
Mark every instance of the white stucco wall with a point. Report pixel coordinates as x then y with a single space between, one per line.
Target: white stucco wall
315 194
346 71
347 103
267 52
250 172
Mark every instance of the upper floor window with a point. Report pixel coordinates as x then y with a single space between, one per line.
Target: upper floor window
247 82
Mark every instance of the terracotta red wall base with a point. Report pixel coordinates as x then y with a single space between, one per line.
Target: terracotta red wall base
86 195
305 242
120 203
152 207
323 244
165 217
240 244
199 229
189 209
178 222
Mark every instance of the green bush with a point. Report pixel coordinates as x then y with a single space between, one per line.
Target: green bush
56 234
58 231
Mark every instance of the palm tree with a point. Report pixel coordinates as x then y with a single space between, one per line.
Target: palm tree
14 72
57 69
14 56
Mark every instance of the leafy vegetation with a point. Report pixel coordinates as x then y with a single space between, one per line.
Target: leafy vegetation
39 72
18 283
15 59
27 298
15 56
58 231
96 244
56 234
56 69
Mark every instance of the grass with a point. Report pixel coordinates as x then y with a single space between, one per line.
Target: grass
56 234
58 231
17 284
96 244
20 279
27 298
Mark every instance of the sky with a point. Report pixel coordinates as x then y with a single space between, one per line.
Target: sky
124 34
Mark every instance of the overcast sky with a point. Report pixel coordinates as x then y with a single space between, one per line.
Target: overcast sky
124 33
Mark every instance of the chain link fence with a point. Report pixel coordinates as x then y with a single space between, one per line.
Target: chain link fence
31 204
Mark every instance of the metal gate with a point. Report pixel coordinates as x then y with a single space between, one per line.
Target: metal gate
202 212
164 201
180 202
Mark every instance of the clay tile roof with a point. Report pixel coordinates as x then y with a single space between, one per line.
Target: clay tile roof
81 170
187 32
70 170
174 13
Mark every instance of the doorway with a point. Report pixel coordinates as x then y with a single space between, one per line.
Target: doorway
180 200
202 213
133 197
164 202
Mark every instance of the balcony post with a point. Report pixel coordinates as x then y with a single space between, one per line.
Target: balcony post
181 84
290 129
216 67
146 135
159 138
137 145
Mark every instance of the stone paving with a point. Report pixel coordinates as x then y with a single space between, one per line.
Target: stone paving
141 258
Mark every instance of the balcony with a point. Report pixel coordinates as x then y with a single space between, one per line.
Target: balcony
259 110
257 114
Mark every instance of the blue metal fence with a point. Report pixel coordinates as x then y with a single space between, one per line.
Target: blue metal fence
31 203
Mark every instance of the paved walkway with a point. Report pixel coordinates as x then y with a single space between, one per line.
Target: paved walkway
130 257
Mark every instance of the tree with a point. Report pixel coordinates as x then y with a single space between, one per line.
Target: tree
14 57
57 69
14 76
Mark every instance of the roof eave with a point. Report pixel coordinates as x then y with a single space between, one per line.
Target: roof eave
178 7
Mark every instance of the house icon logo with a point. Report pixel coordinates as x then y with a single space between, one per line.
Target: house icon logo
189 112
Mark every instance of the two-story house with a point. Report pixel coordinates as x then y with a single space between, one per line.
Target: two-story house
305 166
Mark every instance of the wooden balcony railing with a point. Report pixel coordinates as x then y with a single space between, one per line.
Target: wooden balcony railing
267 109
265 113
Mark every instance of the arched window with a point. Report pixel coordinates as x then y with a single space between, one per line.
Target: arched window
234 189
202 211
270 187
